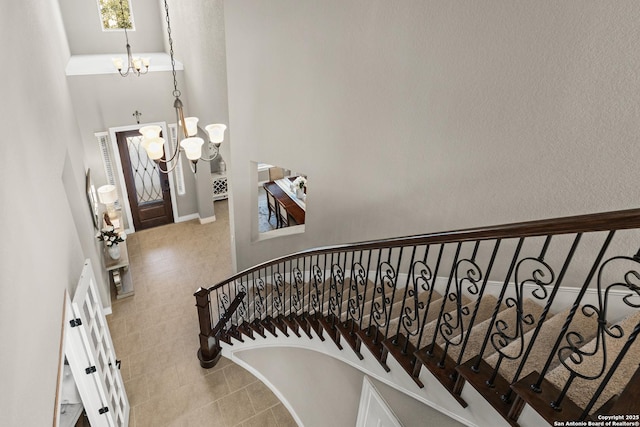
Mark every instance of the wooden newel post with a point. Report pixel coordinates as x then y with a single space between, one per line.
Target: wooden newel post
209 351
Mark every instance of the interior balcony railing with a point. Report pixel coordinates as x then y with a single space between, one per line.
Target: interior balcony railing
543 313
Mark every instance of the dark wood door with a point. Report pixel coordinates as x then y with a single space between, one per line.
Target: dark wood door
148 188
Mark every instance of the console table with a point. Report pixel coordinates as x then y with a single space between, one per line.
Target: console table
293 209
118 269
119 273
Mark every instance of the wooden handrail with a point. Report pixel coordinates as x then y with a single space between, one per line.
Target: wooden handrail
606 221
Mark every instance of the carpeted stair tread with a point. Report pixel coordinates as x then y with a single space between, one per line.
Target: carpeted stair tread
396 310
474 345
581 390
545 340
346 292
436 302
485 310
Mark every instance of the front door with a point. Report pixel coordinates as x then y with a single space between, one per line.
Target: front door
148 188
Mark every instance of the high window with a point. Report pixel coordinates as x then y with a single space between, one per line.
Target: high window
116 14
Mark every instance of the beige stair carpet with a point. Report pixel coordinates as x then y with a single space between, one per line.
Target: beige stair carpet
545 341
479 331
433 307
396 310
485 310
581 390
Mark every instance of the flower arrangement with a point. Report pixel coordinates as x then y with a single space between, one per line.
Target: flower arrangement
110 237
300 182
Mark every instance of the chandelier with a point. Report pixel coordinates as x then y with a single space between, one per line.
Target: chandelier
191 144
134 64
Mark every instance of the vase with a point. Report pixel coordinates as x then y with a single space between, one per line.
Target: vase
299 193
114 251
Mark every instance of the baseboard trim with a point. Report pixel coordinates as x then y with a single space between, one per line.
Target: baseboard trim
185 218
208 219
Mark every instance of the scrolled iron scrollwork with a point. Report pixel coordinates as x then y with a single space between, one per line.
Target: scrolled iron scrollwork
467 275
541 275
382 306
278 295
421 277
335 290
259 298
297 287
575 353
316 284
356 296
242 310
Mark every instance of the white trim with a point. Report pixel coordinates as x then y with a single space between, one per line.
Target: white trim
208 219
121 182
185 218
279 232
369 397
433 395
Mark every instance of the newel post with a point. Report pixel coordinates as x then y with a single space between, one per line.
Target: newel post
209 351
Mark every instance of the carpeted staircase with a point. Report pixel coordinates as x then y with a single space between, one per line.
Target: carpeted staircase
519 339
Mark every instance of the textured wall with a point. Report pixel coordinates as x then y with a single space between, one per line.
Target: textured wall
47 230
417 116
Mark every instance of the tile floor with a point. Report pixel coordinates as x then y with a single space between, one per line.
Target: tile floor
155 333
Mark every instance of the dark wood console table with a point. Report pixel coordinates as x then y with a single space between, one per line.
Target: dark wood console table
293 209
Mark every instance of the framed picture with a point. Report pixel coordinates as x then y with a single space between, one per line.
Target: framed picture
92 199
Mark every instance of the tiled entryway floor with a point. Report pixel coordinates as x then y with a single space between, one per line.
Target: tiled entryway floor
155 333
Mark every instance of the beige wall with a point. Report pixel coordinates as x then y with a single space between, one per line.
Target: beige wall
418 116
47 230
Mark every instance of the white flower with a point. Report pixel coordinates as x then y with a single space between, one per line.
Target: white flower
300 182
123 236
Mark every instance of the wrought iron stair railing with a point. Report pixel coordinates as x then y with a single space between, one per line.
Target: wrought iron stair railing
477 306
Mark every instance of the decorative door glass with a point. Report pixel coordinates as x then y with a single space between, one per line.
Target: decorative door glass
145 172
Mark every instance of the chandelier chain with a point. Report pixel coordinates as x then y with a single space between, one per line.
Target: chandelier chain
126 36
176 92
